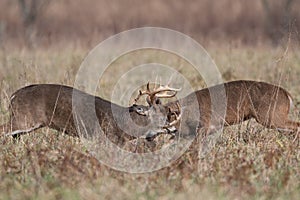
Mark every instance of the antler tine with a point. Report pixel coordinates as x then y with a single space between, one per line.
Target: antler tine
166 89
177 117
154 94
148 88
170 79
166 95
159 82
141 93
156 80
138 97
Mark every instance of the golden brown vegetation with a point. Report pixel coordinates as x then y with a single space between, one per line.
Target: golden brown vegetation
248 161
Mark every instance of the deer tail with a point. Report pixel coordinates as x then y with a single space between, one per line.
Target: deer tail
291 100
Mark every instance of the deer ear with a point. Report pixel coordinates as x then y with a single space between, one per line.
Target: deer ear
157 101
148 101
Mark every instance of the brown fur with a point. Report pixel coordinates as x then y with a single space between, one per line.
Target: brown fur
268 104
49 105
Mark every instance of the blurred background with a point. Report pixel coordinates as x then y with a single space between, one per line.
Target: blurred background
46 40
42 23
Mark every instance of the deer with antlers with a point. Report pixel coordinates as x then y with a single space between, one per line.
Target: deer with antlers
153 100
268 104
51 105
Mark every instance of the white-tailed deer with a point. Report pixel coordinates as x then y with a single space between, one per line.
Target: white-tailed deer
50 105
268 104
155 107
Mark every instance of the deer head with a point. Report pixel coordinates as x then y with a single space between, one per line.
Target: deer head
159 114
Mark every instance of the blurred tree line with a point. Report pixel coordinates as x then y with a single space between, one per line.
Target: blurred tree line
278 19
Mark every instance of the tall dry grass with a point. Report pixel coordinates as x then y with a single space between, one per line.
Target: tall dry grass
248 161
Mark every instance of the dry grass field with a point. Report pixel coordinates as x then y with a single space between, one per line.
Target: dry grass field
248 161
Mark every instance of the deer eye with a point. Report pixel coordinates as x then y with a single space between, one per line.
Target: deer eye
139 109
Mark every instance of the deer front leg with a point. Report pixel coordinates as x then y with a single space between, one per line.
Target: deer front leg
208 137
15 129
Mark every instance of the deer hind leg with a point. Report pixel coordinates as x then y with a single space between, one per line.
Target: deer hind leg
275 116
279 121
288 125
295 127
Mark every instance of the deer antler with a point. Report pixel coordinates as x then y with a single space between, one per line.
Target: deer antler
152 96
177 117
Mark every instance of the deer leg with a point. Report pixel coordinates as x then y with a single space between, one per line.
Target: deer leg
15 129
292 125
280 123
287 126
18 132
295 127
277 120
